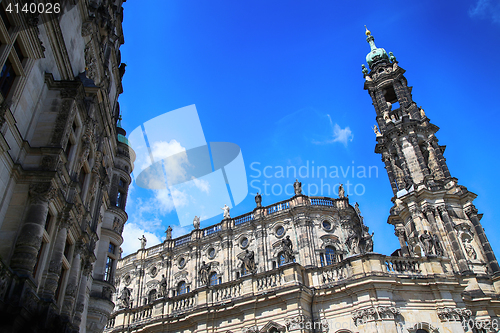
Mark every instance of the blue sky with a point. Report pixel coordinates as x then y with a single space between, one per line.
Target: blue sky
283 81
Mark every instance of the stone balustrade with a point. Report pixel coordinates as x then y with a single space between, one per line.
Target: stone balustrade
290 275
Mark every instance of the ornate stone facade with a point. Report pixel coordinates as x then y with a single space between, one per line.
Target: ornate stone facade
306 264
65 166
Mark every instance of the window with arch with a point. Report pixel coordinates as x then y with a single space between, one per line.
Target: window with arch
214 280
182 288
330 255
281 259
152 296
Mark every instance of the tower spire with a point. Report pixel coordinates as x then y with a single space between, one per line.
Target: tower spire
429 205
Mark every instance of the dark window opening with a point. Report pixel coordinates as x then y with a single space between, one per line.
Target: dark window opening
390 95
4 17
322 259
213 279
47 221
59 283
67 247
182 288
121 182
7 77
108 270
19 53
120 199
111 248
81 178
38 258
330 255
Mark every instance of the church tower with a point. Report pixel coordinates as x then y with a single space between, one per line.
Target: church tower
432 215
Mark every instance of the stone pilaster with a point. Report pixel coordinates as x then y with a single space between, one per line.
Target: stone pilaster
420 157
439 155
434 164
72 287
55 264
388 167
471 212
457 250
30 237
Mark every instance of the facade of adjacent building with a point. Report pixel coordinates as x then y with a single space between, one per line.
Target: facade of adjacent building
307 264
65 164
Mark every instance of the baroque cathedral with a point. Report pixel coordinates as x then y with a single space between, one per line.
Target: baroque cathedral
307 264
65 164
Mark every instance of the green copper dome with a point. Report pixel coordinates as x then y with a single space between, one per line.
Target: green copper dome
376 54
121 132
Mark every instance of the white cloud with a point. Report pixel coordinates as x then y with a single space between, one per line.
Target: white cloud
131 234
486 9
202 185
342 135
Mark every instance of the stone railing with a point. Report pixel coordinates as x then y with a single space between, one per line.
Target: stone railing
226 291
155 249
211 230
141 314
183 302
182 240
274 279
243 218
334 273
400 265
278 207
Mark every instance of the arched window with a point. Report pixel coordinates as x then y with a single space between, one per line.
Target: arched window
330 255
213 279
152 296
281 259
182 288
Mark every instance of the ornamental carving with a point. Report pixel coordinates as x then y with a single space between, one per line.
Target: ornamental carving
374 313
453 314
41 192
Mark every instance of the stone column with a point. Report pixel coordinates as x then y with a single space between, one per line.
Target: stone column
55 266
402 158
434 164
457 250
72 287
82 292
420 157
388 167
440 157
30 237
471 212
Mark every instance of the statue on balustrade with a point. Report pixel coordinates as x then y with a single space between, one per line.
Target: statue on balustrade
125 298
143 242
437 246
297 186
204 274
258 200
288 249
367 243
226 212
169 232
341 191
196 222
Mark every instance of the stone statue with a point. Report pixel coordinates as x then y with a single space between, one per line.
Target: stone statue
393 118
125 297
143 242
368 243
249 262
427 242
226 212
353 244
297 186
392 58
204 273
163 286
258 200
341 191
169 232
437 246
196 222
471 253
422 113
288 249
364 70
377 132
